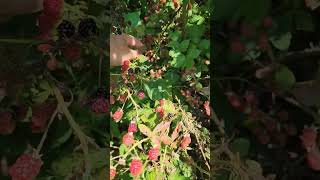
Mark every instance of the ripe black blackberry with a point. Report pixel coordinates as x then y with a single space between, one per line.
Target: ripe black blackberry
131 71
66 29
87 28
170 115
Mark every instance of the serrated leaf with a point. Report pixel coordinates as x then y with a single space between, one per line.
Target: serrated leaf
133 18
156 141
176 176
44 85
152 175
122 149
285 78
149 91
184 45
254 166
42 97
165 139
142 58
204 44
145 130
176 131
283 42
161 127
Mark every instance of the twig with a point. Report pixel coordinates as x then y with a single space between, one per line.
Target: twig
82 137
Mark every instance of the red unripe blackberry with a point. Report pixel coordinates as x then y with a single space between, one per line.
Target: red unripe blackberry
263 41
122 98
313 159
125 65
52 64
40 116
159 109
26 167
136 167
132 127
113 172
72 52
153 154
52 8
44 48
7 124
117 115
162 101
186 140
251 98
112 100
237 47
141 95
128 139
100 105
206 106
309 137
132 78
234 100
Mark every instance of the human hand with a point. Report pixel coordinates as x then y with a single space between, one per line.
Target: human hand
120 48
15 7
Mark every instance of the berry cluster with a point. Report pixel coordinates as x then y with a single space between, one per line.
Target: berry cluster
249 32
266 128
66 30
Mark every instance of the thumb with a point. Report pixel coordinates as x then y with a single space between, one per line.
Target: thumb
132 41
131 55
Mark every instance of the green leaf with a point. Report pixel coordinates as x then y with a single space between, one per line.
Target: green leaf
283 42
151 175
44 85
178 61
174 53
254 167
174 36
149 91
122 149
192 54
285 78
142 58
197 19
204 44
114 129
133 18
241 146
176 176
42 97
145 130
195 32
184 45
